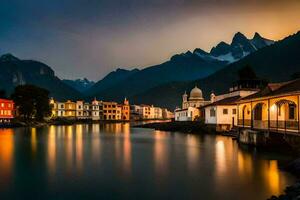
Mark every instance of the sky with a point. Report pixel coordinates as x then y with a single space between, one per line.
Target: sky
90 38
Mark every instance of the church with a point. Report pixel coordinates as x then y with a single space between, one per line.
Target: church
190 105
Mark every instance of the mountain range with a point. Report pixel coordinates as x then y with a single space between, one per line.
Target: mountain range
277 62
15 72
81 85
163 84
181 67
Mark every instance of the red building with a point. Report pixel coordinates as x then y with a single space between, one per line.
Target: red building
6 110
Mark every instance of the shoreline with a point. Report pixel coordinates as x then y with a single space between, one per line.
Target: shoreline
16 123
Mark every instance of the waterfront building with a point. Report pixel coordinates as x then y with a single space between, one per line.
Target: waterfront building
146 111
195 99
57 108
134 112
222 111
190 105
79 109
70 109
6 110
96 109
158 113
187 114
87 110
111 111
125 110
167 114
274 108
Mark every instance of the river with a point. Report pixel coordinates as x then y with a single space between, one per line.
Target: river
116 161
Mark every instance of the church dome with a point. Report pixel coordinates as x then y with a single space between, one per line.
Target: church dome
196 93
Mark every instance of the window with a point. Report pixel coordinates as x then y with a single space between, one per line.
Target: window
212 112
234 111
225 111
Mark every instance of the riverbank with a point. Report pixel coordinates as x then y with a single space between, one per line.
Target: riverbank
176 126
59 121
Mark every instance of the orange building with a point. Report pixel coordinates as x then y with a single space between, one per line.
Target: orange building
6 110
125 110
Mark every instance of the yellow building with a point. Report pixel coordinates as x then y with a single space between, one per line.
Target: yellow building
274 108
70 109
110 110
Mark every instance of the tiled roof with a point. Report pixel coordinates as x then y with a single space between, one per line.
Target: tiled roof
275 89
225 101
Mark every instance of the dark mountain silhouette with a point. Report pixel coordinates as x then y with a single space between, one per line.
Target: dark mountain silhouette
113 78
80 85
16 72
182 67
277 62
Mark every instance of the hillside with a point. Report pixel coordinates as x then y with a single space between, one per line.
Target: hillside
277 62
18 72
80 85
182 67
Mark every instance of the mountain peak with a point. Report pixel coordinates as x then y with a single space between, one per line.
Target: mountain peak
8 57
257 36
239 38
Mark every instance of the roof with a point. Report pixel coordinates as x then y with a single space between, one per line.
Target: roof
276 89
6 100
225 101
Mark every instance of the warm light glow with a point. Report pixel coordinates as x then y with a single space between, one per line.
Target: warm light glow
33 140
6 154
273 108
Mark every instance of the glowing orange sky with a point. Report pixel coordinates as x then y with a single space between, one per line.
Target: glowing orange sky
90 40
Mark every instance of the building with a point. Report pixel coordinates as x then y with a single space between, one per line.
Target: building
87 113
125 110
274 108
79 109
167 114
6 110
195 99
222 111
190 106
157 113
187 114
70 109
95 109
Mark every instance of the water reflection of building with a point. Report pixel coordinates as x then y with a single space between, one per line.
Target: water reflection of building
6 155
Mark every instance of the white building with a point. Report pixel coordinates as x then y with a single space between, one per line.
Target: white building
222 112
190 106
95 110
187 114
86 110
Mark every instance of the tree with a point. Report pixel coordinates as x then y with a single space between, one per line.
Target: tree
295 75
247 73
31 102
2 94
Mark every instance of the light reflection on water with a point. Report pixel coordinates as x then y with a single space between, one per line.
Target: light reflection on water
116 161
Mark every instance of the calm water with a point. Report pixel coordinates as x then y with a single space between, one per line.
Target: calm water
115 161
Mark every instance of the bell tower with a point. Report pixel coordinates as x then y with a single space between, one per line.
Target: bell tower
184 100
